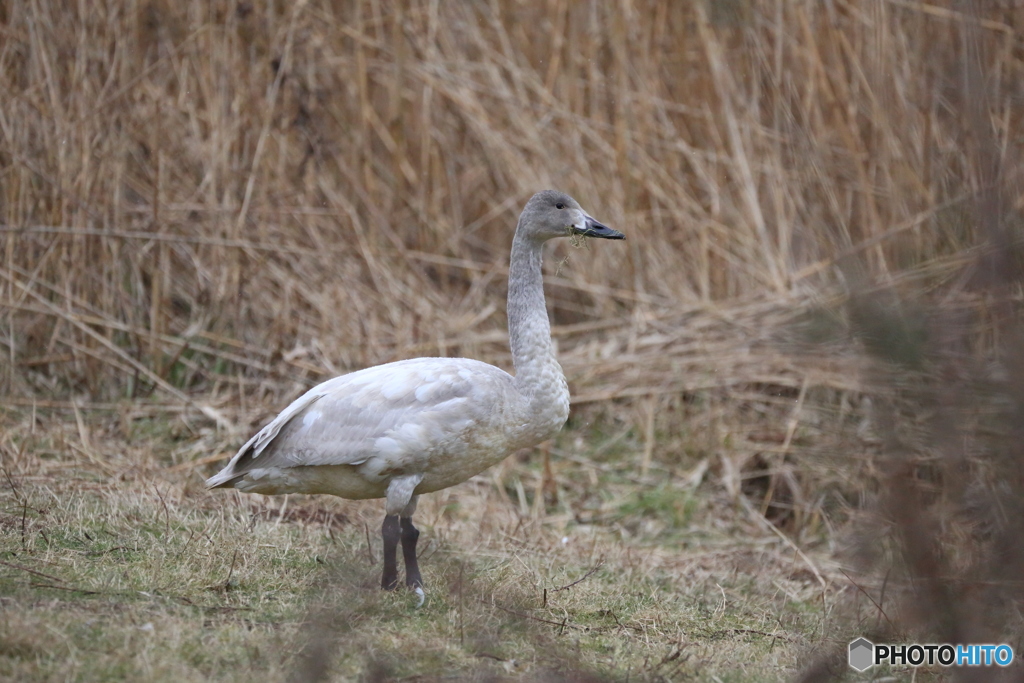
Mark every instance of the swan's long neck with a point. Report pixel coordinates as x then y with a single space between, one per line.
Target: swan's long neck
538 377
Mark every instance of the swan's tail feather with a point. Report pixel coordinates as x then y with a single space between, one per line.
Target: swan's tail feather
223 480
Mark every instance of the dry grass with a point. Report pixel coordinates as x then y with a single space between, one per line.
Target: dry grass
144 575
207 207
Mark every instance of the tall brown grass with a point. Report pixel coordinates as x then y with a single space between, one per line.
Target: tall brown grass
211 204
213 189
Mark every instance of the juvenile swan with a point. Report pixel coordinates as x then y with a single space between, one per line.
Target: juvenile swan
414 426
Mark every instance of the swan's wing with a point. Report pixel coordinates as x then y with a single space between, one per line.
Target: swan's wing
399 411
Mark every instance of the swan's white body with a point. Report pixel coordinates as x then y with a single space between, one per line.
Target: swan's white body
440 419
414 426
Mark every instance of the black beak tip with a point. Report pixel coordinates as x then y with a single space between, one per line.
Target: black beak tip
595 229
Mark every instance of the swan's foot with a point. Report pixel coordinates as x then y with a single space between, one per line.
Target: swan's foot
420 595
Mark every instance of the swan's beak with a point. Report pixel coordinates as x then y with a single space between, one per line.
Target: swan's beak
592 228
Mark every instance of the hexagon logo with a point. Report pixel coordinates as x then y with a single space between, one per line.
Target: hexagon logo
862 654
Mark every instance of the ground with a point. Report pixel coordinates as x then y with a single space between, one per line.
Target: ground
116 564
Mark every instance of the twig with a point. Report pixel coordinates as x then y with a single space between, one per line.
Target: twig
167 514
488 655
10 481
785 539
31 571
73 589
750 631
561 624
24 515
600 563
93 553
227 583
868 596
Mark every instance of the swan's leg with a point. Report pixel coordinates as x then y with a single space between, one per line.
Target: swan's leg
400 502
412 568
390 532
409 536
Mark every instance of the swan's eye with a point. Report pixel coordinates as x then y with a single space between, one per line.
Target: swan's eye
559 205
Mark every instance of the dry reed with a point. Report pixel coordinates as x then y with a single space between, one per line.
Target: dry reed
206 192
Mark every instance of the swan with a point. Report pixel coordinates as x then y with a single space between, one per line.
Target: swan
398 430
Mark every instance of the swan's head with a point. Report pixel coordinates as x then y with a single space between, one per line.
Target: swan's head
551 214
